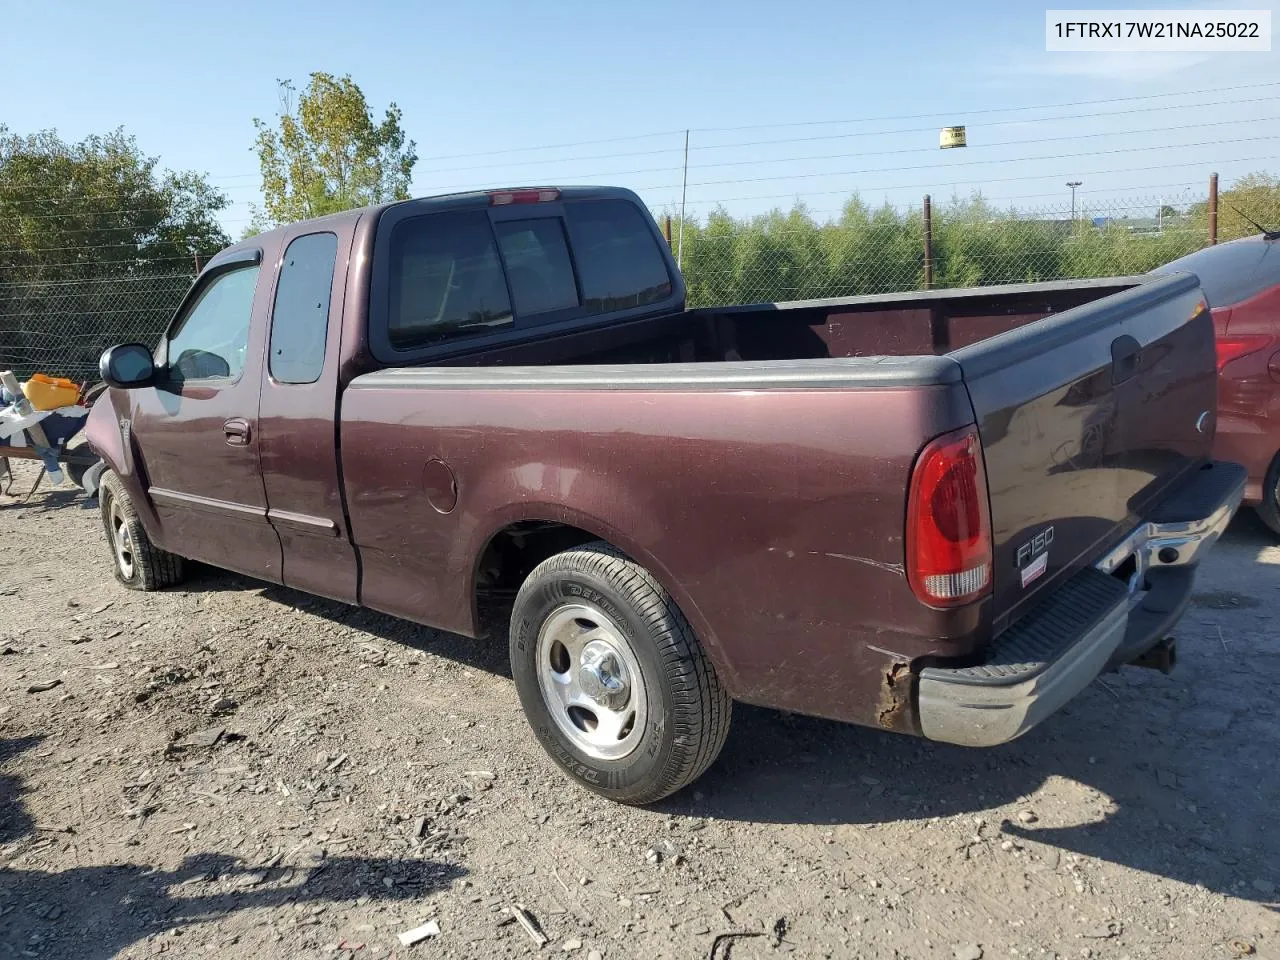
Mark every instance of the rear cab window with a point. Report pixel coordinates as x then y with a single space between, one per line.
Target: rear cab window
445 279
474 273
619 262
539 270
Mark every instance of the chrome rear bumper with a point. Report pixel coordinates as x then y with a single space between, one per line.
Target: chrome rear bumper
999 701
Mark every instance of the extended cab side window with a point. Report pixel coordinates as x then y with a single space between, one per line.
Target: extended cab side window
619 261
300 317
446 279
209 343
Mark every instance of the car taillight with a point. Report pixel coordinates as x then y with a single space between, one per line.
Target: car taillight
948 522
1233 348
501 198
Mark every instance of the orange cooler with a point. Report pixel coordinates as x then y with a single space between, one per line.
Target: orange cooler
50 393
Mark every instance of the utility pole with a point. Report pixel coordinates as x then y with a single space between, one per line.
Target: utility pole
1213 208
684 189
928 243
1073 184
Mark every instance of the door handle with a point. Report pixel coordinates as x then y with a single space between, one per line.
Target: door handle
1125 353
237 432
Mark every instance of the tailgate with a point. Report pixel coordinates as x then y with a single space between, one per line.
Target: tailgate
1085 418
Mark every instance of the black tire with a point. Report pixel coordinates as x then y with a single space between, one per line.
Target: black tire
76 472
686 712
138 563
1269 509
93 393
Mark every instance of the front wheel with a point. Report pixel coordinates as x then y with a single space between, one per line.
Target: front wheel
611 678
139 564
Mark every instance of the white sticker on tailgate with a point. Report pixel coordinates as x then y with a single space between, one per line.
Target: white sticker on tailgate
1035 569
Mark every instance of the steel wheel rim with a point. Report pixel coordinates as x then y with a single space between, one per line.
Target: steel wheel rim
591 682
122 542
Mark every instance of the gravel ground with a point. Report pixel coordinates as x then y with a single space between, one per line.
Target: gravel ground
240 770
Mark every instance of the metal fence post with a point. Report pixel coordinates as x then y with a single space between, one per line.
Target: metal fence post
1213 208
928 243
666 228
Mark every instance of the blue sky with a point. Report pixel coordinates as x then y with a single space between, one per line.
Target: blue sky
783 99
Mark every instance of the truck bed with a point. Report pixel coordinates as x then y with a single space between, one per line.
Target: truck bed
918 323
739 448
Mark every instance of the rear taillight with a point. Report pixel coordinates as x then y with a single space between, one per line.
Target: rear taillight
948 522
1233 348
502 198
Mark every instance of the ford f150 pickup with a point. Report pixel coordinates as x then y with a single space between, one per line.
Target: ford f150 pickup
940 513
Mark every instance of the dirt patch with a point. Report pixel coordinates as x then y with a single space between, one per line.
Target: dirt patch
1225 600
237 770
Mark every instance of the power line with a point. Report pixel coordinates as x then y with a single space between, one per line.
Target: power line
913 150
942 169
978 163
111 212
984 180
900 131
810 139
867 133
126 229
915 116
988 110
740 163
80 280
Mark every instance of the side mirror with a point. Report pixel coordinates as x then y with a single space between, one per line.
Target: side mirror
127 366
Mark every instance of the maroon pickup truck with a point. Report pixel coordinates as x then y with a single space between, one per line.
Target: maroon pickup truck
939 513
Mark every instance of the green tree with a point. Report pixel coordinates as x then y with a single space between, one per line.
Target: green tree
97 245
327 153
1256 196
872 251
71 209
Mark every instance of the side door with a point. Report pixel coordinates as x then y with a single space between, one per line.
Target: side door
197 429
298 416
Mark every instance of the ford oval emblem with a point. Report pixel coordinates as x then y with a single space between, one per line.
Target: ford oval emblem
1203 421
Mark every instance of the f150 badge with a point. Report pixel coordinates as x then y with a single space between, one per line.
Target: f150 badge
1033 556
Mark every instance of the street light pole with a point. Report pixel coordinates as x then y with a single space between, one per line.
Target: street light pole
1073 184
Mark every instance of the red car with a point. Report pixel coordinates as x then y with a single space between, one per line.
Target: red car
1244 294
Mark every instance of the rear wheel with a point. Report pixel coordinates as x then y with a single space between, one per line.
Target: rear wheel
1269 508
615 685
139 564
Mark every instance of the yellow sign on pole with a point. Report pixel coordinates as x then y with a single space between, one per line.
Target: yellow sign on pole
951 137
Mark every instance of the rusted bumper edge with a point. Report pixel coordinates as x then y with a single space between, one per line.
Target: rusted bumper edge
1096 620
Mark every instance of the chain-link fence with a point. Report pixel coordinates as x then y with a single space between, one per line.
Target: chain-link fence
792 256
60 326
